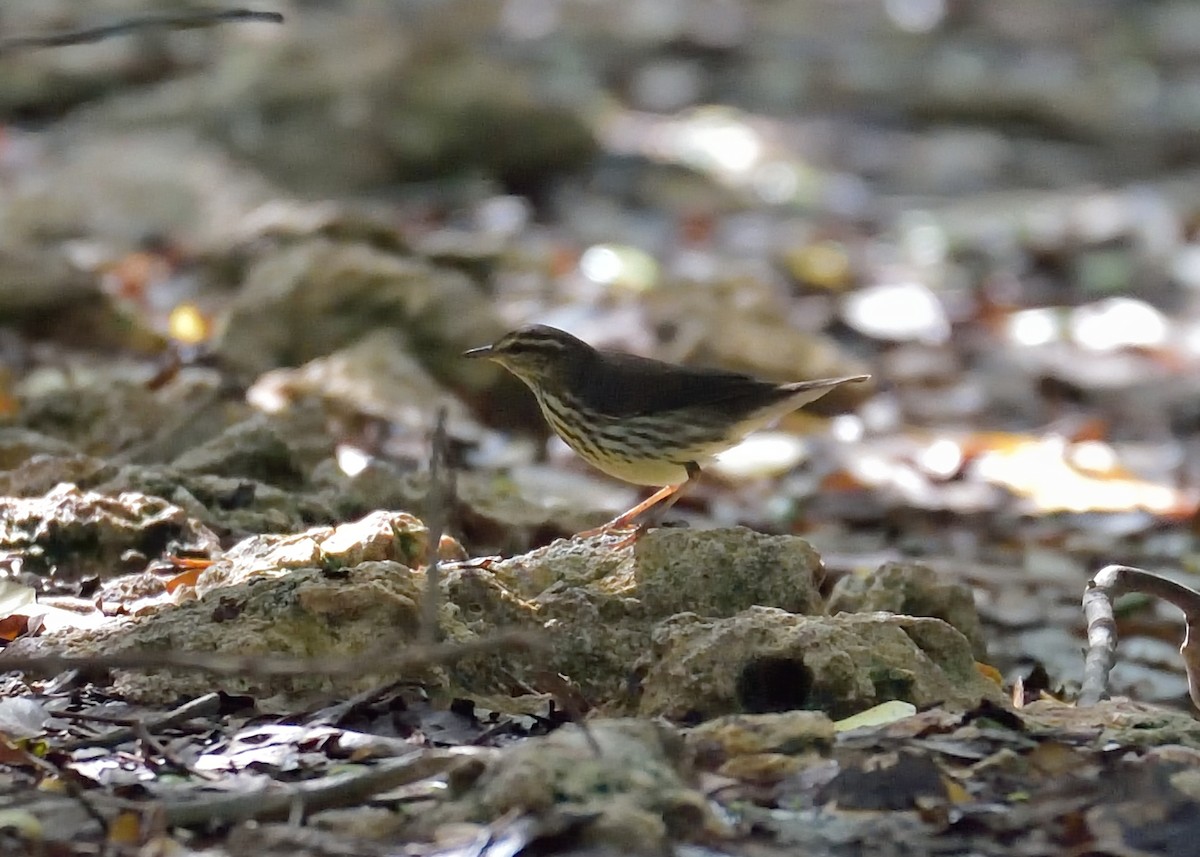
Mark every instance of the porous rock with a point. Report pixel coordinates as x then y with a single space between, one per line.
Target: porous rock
912 589
765 659
761 747
631 777
597 605
71 533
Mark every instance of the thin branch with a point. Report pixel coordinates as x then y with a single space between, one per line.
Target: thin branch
379 659
1109 584
152 745
171 21
438 504
277 801
210 703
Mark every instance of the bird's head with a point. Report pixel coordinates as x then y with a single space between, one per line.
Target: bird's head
536 354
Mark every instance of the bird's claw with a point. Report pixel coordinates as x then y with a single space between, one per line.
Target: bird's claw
614 526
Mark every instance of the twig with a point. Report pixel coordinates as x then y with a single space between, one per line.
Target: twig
172 21
336 715
309 796
379 659
438 504
573 702
1110 583
207 704
153 745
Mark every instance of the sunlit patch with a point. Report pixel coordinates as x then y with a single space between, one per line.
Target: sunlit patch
879 715
848 428
600 264
761 454
942 458
1047 472
825 264
619 265
713 140
1093 456
1032 327
351 460
875 470
901 311
1118 323
269 394
187 324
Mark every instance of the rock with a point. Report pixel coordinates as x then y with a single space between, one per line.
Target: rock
117 185
635 787
714 572
725 571
233 507
109 409
581 596
373 377
40 473
18 445
289 615
597 605
309 299
764 660
251 449
379 537
783 732
912 589
606 616
35 285
762 748
70 533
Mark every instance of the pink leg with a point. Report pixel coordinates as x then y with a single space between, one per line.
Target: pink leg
661 500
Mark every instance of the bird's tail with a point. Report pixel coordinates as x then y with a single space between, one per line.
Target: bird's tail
803 392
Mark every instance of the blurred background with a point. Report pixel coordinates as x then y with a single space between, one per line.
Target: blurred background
285 234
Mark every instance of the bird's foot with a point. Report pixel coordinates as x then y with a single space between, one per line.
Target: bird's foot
616 525
659 501
629 532
630 538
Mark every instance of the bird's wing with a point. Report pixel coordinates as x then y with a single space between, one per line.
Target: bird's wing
629 385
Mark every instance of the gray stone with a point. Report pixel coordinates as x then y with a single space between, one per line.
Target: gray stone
764 660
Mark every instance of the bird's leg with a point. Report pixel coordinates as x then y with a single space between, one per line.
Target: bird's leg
660 501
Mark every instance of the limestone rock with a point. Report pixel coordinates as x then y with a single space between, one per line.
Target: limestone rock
912 589
69 533
636 788
764 660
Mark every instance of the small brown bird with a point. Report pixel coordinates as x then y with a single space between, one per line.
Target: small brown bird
640 420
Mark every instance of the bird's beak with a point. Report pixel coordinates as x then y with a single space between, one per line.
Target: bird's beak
482 351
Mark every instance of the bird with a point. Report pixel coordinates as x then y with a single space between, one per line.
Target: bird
643 421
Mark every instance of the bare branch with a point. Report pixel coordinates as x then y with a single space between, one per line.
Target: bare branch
190 20
1109 584
279 800
438 504
207 704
